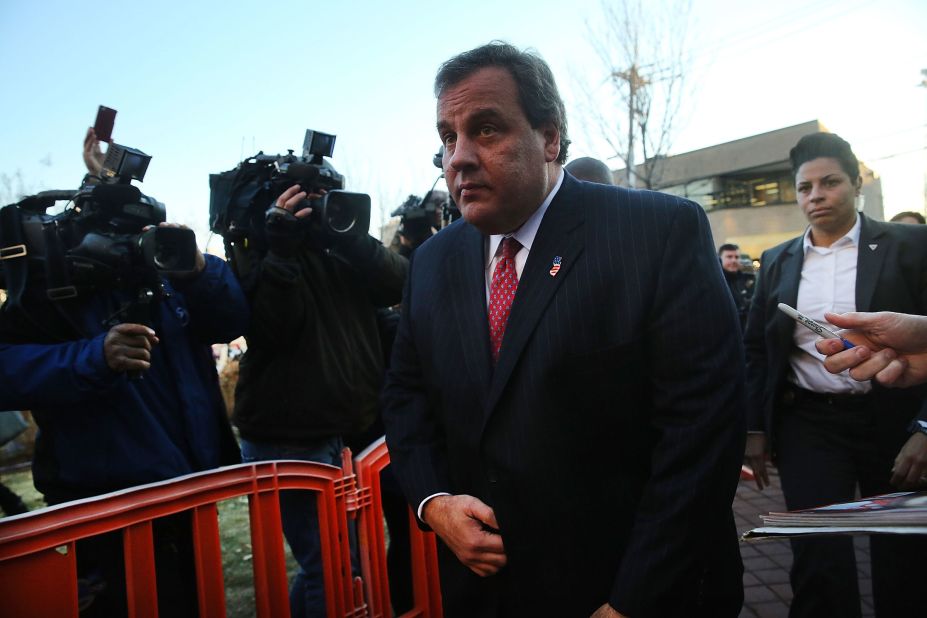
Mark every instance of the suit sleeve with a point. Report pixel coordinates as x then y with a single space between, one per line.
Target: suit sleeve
755 350
413 432
43 375
695 360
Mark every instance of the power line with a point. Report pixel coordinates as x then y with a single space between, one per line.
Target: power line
779 34
899 154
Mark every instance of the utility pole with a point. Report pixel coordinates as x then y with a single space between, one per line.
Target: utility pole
923 84
636 82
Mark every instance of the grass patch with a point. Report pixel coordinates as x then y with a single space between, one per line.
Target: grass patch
234 534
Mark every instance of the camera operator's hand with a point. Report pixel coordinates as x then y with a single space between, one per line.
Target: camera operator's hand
127 347
293 197
93 155
284 236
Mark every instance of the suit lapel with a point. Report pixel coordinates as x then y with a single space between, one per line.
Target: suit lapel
793 260
466 276
557 237
873 246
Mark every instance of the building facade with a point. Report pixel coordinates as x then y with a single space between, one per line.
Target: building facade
747 188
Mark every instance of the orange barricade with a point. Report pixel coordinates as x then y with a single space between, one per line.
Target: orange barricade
426 589
38 568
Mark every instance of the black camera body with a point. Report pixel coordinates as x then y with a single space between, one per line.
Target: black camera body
100 242
419 217
242 199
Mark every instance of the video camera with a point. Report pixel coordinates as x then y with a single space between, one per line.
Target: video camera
242 199
418 216
449 210
98 243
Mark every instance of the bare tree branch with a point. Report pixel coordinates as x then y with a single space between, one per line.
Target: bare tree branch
637 105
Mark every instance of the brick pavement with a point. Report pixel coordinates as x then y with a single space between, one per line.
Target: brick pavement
767 592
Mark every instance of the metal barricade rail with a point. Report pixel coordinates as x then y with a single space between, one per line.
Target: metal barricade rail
38 567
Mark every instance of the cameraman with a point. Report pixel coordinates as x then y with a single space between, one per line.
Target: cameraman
100 431
313 368
420 220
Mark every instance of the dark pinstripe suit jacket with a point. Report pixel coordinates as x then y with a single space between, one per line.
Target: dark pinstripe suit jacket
891 275
609 437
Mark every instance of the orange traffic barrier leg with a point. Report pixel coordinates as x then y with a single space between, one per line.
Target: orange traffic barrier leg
141 581
208 552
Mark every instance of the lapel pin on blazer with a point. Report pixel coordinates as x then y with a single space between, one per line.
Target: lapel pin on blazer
555 266
873 247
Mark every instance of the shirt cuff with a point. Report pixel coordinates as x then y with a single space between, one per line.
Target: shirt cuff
421 506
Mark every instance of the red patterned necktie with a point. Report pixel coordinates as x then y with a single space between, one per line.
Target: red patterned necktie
501 293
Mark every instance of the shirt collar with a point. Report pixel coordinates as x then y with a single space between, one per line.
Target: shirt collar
850 238
529 229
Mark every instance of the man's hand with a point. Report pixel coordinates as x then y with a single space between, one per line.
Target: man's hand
93 155
468 527
891 348
293 197
127 347
755 457
607 611
911 463
284 235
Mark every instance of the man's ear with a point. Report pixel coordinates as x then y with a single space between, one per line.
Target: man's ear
551 136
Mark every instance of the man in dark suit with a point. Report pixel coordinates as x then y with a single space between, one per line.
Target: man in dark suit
828 433
564 403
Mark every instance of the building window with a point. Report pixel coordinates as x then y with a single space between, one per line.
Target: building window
753 191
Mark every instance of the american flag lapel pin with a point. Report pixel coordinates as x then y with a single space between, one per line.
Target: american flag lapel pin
555 266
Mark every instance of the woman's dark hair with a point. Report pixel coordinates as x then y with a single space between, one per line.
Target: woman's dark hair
910 214
537 91
830 145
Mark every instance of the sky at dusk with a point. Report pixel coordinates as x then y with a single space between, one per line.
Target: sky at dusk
201 85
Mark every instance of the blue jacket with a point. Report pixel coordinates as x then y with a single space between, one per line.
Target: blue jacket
100 431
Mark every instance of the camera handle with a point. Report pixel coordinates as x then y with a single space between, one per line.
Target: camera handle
136 311
139 312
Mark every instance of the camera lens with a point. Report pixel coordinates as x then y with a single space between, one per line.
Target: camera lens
340 217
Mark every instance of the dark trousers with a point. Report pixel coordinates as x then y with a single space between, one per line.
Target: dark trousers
101 571
823 451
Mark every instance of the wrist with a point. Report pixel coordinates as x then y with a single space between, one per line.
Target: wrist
918 426
431 506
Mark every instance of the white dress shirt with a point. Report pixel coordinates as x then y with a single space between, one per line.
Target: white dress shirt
524 235
828 283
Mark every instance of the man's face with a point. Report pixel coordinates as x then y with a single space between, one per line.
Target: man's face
498 168
827 196
730 260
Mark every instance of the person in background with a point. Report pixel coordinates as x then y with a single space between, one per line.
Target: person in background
910 217
121 403
830 435
589 169
740 283
313 367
